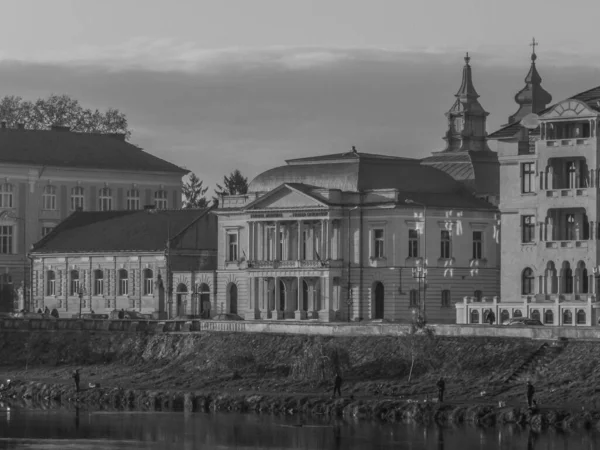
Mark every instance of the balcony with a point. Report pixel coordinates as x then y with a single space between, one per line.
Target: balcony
567 142
567 244
295 264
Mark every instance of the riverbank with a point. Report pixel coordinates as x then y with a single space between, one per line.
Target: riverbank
293 375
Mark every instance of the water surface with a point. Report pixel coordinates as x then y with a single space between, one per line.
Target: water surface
86 430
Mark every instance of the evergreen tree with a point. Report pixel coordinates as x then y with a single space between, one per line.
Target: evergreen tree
194 193
234 184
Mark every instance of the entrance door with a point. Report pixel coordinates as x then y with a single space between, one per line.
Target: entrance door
378 301
181 296
233 298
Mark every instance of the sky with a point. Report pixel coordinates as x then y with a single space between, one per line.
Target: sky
235 84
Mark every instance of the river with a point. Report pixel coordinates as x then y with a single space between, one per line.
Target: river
82 429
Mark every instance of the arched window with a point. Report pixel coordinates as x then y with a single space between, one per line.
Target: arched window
75 282
98 282
535 314
414 298
474 316
527 282
133 199
77 198
568 274
585 285
517 313
549 317
123 282
148 282
477 295
160 199
6 195
49 198
105 199
581 317
567 317
446 300
504 315
50 283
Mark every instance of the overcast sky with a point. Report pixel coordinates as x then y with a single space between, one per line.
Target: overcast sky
225 84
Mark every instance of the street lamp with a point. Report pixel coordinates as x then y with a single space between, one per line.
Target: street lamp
420 271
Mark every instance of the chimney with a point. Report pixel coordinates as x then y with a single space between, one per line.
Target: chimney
59 128
21 126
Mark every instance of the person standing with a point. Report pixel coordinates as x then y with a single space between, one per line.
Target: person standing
530 392
441 385
337 387
76 378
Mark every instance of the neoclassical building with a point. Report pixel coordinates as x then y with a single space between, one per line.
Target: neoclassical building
46 175
549 206
336 237
152 261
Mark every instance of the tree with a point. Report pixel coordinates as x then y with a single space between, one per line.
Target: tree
193 193
234 184
61 110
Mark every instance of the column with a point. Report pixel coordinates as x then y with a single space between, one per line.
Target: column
276 313
299 314
248 240
550 178
592 231
260 301
277 244
252 299
300 239
327 314
327 239
260 254
322 241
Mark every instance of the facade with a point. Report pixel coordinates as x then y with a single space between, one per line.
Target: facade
467 157
336 237
152 261
549 207
45 175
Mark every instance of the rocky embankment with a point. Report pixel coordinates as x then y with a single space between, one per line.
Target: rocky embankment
292 375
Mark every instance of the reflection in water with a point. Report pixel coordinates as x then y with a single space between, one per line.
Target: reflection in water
82 429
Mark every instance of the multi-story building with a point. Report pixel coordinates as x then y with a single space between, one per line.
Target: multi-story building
549 205
47 175
153 261
347 236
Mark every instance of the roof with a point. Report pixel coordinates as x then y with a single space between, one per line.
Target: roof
103 231
478 170
356 172
63 148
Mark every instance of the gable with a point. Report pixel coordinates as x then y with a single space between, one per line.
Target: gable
569 109
286 198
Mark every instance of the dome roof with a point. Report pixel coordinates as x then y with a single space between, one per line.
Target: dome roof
354 172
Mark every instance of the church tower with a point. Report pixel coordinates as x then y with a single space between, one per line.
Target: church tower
532 98
466 118
467 157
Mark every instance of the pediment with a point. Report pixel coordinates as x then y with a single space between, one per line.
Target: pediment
284 198
570 109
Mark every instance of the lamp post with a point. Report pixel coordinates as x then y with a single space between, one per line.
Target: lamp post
420 271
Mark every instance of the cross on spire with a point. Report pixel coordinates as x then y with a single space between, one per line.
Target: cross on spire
533 44
467 58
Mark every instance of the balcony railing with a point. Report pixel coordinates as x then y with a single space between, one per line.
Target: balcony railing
294 264
567 244
567 192
567 142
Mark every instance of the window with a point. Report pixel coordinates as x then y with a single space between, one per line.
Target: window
123 282
378 244
148 282
105 199
160 199
133 199
49 198
46 231
270 245
75 282
517 313
445 244
568 272
572 169
584 281
6 239
570 231
232 247
581 317
527 229
527 178
535 314
98 282
50 283
549 317
413 243
414 298
477 295
77 198
567 317
474 316
527 282
446 300
477 244
6 196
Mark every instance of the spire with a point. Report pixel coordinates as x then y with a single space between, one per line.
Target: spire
466 88
466 118
532 98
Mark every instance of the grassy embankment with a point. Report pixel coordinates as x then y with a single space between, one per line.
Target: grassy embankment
290 374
